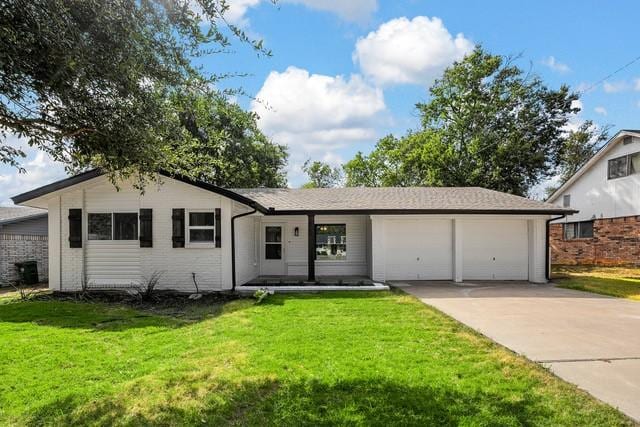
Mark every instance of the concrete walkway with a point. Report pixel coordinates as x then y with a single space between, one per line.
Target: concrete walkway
590 340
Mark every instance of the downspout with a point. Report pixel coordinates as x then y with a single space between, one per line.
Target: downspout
547 253
233 246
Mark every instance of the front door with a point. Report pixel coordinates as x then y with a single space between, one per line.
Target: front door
272 250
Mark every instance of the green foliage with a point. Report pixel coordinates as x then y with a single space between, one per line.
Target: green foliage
261 294
92 81
348 358
321 175
486 124
221 144
579 146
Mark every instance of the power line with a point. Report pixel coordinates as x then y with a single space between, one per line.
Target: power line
610 75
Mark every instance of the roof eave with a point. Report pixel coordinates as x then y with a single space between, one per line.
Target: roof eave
364 211
594 159
94 173
22 218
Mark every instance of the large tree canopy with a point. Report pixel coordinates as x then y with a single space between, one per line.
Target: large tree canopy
487 123
104 83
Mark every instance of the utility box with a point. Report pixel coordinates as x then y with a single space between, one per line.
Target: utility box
28 272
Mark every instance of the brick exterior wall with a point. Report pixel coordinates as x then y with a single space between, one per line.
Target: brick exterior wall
17 248
616 241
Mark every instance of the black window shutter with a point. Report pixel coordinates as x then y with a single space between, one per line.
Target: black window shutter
218 229
146 228
178 228
75 228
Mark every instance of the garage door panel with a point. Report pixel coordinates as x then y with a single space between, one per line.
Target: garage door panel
495 250
418 250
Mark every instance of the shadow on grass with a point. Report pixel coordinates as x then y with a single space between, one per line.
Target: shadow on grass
113 316
267 402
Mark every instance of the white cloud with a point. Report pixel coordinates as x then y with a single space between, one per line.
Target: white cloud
236 14
601 110
576 103
40 170
409 51
615 87
555 65
636 85
314 114
351 10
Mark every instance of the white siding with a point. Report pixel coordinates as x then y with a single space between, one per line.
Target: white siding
113 262
595 196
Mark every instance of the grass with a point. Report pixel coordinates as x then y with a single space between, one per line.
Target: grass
348 358
623 282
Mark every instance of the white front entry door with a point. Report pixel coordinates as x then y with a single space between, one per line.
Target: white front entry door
273 250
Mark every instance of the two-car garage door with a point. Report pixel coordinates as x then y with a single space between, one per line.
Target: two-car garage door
423 249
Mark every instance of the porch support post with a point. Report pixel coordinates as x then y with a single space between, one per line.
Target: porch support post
311 248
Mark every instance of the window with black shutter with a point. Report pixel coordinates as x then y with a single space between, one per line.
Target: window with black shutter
146 228
75 228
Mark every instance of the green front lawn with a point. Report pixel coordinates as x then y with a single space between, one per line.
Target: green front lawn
326 359
623 282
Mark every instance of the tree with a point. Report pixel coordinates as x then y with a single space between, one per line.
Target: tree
91 81
487 124
321 175
580 145
224 145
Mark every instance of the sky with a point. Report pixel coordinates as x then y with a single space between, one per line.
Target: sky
345 73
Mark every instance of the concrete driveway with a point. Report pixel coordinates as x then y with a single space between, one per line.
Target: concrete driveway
590 340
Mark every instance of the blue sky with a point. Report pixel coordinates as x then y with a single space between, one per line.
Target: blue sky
344 73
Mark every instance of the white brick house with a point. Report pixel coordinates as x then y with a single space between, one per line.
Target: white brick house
223 238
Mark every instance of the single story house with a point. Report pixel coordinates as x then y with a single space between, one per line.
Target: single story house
186 231
23 237
606 191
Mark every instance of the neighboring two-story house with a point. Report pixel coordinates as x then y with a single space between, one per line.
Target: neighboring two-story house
606 192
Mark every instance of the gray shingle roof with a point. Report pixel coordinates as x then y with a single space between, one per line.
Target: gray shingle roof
437 199
13 213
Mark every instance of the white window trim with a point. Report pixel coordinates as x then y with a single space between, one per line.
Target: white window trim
187 236
113 220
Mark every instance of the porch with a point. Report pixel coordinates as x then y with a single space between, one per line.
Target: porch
321 283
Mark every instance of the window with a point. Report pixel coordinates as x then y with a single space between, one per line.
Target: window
623 166
99 226
566 200
618 167
201 227
125 226
273 242
113 226
578 230
331 242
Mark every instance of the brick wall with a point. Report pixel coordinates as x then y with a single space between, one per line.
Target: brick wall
616 241
17 248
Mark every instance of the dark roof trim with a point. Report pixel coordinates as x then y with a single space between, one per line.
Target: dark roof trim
23 218
94 173
550 211
55 186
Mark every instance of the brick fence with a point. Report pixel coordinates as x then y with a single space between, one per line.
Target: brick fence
616 241
19 247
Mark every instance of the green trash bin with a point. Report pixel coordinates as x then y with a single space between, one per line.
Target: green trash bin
28 272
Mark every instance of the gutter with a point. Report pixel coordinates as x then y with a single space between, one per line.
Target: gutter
547 254
233 245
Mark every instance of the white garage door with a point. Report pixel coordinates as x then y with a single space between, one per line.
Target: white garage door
418 250
495 250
